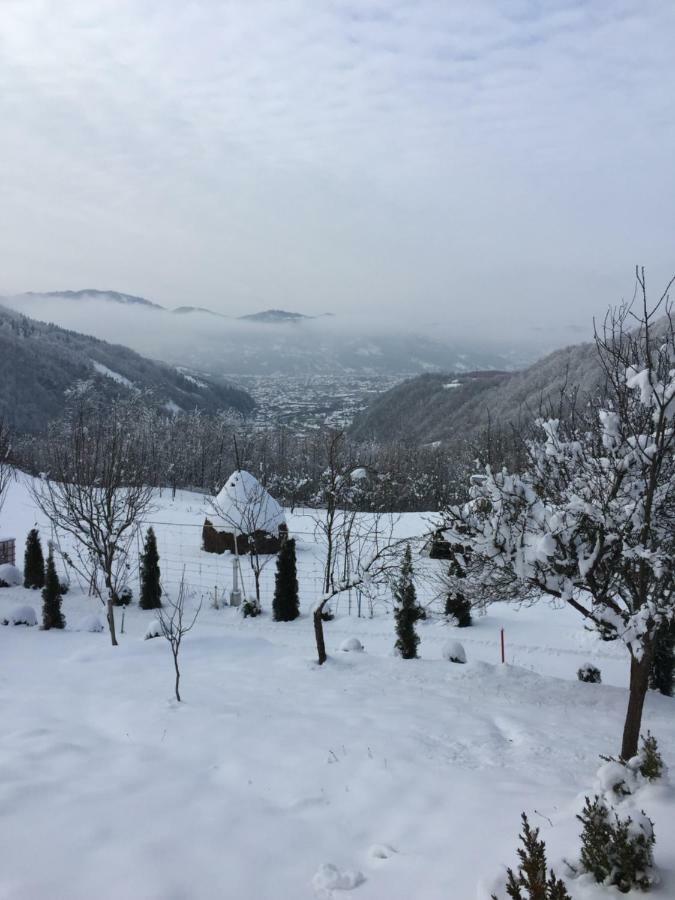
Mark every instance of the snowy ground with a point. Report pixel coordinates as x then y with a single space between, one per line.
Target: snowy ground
273 767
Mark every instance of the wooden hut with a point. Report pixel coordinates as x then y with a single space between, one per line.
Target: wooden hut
7 551
244 511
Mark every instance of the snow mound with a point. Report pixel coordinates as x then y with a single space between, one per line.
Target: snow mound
351 645
153 630
244 502
615 778
380 851
21 615
330 878
453 652
10 575
92 624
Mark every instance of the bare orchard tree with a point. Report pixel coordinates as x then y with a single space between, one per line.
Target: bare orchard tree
247 509
6 470
591 518
95 491
334 515
375 561
174 625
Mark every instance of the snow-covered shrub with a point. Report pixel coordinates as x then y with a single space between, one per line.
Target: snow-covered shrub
621 778
616 850
454 652
124 597
589 673
530 882
10 576
21 615
153 630
250 608
327 614
92 624
351 645
458 609
457 604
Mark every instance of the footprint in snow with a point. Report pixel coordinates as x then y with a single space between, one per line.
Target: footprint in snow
329 878
380 851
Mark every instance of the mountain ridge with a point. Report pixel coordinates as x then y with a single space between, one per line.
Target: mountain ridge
446 407
41 362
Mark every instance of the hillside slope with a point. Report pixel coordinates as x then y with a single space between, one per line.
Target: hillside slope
448 407
40 362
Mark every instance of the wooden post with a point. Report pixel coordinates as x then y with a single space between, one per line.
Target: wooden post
502 643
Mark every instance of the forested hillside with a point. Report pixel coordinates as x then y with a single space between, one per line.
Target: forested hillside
457 406
40 363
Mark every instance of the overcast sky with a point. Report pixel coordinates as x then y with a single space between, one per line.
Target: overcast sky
491 165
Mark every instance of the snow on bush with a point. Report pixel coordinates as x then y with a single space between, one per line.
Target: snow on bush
616 778
453 652
589 673
153 630
10 576
616 849
330 878
21 615
92 624
351 645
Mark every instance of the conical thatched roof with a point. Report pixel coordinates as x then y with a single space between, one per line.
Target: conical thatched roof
244 506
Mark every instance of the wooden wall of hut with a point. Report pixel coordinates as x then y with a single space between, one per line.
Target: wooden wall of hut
216 541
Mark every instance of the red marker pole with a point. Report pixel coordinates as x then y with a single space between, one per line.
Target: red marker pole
502 640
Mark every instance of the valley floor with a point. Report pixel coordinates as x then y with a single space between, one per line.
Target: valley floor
411 773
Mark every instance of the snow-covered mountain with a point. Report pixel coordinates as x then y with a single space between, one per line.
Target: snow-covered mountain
270 342
40 363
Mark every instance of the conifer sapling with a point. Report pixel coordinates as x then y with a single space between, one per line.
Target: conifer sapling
530 882
151 589
33 561
286 603
407 610
52 617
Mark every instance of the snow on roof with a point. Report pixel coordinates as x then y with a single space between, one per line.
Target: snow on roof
243 505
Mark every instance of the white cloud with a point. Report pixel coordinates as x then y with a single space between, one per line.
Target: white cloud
472 161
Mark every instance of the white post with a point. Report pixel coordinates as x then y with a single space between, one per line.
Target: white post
235 593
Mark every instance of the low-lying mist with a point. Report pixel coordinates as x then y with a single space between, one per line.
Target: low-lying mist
329 343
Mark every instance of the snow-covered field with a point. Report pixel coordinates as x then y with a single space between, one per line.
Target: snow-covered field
408 776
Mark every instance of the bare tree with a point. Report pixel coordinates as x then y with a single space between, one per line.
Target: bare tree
375 562
174 626
334 517
6 470
95 491
591 519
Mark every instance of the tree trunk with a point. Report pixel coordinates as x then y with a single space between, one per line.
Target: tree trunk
111 619
175 665
318 634
639 682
